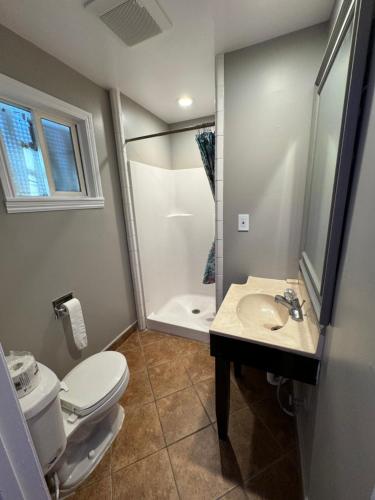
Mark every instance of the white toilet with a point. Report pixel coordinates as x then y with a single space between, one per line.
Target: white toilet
74 422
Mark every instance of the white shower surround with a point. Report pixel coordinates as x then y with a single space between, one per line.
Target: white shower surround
174 214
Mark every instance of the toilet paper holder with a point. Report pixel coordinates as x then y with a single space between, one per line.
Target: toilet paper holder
59 307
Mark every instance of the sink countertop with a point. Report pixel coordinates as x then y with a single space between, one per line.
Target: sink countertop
300 337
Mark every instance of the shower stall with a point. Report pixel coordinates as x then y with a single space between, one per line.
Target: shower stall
174 216
174 227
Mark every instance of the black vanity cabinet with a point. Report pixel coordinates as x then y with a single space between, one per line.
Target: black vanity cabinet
288 364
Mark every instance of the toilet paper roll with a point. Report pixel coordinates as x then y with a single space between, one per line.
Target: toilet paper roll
24 371
74 310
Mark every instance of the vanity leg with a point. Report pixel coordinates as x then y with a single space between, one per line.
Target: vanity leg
222 395
237 369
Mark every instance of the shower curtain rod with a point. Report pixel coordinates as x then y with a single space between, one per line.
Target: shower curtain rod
168 132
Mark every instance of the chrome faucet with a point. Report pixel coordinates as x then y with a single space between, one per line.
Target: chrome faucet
291 302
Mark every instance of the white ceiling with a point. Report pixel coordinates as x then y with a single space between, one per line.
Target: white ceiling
180 61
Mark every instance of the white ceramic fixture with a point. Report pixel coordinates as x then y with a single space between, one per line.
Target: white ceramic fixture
261 309
174 233
73 423
249 313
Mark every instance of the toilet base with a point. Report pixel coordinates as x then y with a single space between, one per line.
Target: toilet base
80 460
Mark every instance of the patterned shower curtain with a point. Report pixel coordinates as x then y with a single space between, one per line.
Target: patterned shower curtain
206 144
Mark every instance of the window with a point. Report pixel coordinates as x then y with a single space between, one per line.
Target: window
41 165
25 160
47 152
63 154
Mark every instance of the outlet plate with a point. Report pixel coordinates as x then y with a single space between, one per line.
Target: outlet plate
243 222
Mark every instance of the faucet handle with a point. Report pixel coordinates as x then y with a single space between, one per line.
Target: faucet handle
290 294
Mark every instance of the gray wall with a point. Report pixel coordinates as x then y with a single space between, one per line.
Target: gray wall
268 103
44 255
337 430
184 150
139 121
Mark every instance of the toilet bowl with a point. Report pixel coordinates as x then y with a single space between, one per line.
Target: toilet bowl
74 422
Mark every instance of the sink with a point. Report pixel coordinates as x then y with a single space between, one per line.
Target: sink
249 313
260 309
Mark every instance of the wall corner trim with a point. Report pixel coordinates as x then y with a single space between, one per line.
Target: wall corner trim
219 178
127 203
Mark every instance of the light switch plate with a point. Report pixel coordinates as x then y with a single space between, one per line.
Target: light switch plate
243 222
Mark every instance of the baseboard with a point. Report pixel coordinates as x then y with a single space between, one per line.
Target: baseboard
121 337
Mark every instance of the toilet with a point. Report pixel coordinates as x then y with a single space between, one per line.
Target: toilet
74 422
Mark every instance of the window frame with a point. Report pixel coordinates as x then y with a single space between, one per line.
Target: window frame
80 122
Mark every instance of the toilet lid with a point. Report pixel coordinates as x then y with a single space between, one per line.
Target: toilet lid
93 381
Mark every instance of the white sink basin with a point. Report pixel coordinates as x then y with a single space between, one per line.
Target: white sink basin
261 309
249 313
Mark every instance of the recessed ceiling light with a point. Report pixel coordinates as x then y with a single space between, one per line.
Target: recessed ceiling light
185 101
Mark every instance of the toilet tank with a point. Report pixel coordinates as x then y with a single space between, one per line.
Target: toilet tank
43 414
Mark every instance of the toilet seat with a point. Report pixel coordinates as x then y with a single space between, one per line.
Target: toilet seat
92 383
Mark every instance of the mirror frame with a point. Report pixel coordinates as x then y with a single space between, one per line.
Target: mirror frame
358 12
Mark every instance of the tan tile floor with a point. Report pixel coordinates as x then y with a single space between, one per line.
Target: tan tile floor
168 446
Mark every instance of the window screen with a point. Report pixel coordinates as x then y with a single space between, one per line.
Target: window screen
61 153
25 159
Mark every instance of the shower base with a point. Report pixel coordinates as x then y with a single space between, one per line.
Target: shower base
185 315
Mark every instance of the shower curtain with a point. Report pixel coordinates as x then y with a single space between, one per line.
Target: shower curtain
206 144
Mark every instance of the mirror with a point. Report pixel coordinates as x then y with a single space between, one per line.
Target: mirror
338 91
330 108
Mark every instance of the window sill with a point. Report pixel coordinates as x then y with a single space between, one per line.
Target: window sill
31 204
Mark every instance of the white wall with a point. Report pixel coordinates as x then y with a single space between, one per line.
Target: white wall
194 235
173 250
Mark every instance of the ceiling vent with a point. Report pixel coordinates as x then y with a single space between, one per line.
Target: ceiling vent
133 20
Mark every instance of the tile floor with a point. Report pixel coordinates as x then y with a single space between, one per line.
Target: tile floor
168 447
